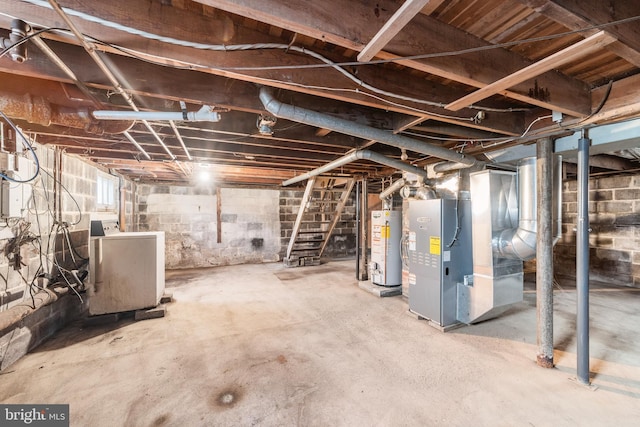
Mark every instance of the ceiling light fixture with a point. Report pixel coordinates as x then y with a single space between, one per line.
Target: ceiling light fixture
18 51
265 124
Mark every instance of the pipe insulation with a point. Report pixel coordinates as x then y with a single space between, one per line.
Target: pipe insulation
37 110
352 157
384 195
454 166
313 118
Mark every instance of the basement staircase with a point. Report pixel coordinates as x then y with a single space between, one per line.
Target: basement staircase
320 208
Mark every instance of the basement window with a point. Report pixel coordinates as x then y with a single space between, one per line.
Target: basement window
106 191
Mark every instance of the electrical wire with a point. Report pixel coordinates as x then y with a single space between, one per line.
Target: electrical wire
526 131
437 54
28 37
498 141
145 57
603 101
75 201
26 144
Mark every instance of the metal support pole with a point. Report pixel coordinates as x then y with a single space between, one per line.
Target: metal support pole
582 262
544 253
358 219
363 273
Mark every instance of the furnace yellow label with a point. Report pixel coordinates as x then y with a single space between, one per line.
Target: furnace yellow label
434 245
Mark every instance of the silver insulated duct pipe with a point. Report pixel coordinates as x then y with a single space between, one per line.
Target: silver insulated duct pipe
520 242
385 194
313 118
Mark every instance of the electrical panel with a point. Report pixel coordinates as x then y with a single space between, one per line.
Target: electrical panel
15 195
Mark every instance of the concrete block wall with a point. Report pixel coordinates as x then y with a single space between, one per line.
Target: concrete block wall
343 240
76 197
249 224
614 243
26 329
128 199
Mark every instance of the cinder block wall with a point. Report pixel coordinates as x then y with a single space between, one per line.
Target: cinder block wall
40 224
614 216
249 224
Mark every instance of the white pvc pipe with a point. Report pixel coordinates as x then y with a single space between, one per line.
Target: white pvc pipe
204 114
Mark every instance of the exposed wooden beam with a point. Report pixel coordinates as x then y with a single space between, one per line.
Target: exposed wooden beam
431 7
153 81
320 83
622 102
454 131
198 146
323 132
602 161
571 53
391 28
584 14
422 35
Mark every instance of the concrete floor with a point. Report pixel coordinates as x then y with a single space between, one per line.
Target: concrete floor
270 346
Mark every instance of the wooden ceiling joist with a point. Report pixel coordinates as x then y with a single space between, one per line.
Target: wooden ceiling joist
422 35
406 12
580 15
572 53
437 53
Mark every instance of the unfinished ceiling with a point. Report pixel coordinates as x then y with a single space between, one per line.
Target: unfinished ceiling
469 76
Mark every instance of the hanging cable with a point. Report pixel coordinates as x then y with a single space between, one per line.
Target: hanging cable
26 144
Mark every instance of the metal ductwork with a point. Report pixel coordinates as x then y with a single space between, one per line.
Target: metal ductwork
385 195
454 166
358 155
504 226
313 118
520 242
37 110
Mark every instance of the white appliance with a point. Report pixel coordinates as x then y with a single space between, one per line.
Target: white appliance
386 263
126 271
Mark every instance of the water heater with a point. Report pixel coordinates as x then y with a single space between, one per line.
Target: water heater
386 263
